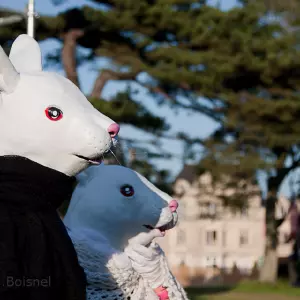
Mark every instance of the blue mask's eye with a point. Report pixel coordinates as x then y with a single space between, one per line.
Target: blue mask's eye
127 190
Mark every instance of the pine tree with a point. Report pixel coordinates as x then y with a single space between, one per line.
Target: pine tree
260 126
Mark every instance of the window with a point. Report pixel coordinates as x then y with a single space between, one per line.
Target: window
182 263
211 237
181 238
211 261
224 236
212 209
244 238
244 212
179 189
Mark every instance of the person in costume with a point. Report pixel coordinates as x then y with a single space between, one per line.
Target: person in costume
294 216
113 218
49 132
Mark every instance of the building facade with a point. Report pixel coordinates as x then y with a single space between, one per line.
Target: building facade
211 235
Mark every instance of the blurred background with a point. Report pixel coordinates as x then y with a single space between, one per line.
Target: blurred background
207 95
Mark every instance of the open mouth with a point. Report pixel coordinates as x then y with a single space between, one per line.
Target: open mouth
162 229
93 161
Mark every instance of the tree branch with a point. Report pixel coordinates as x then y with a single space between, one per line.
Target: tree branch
154 89
275 181
68 54
214 114
107 75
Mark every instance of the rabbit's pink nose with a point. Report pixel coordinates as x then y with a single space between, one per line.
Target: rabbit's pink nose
113 129
173 205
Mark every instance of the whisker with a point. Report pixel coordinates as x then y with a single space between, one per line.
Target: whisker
115 142
115 156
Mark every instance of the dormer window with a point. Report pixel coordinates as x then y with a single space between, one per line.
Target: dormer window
212 209
244 212
180 188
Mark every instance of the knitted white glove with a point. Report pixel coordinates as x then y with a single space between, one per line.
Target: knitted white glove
147 258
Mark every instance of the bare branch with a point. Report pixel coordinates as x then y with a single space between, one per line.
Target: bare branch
214 114
107 75
69 54
154 89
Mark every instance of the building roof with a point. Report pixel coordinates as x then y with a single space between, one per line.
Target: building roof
189 173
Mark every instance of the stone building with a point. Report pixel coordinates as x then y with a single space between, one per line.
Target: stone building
210 235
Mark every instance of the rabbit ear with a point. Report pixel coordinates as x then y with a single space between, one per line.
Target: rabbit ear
25 54
9 77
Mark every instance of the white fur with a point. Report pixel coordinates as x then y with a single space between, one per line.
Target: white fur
98 206
26 91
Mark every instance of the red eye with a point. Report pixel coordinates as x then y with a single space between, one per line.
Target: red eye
53 113
127 190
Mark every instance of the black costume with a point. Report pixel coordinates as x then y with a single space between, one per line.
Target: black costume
37 257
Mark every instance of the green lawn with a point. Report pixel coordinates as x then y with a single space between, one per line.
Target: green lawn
246 291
